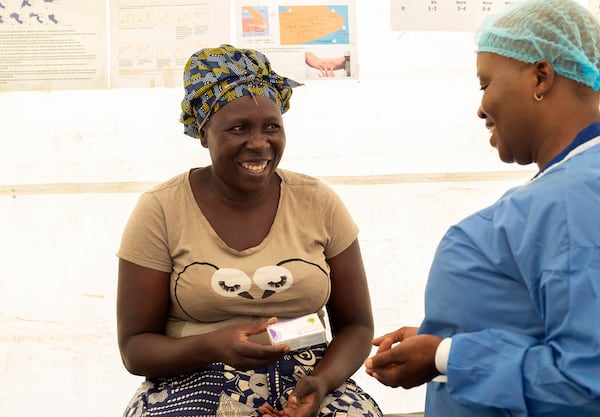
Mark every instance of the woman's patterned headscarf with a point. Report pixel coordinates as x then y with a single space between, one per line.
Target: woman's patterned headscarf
214 77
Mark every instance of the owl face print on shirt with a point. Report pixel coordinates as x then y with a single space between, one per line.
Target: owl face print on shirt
206 292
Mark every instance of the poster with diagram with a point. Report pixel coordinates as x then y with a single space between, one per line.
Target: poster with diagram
449 15
151 41
303 39
52 44
441 15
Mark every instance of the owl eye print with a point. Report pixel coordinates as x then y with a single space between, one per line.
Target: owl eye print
223 286
230 282
273 279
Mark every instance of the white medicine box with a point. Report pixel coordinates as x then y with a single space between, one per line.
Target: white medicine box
299 332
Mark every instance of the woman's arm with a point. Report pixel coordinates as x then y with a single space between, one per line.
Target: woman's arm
351 318
349 310
142 308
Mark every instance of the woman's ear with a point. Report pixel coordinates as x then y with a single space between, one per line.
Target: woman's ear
545 76
202 136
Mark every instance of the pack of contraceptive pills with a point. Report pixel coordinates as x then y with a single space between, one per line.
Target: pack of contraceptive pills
299 332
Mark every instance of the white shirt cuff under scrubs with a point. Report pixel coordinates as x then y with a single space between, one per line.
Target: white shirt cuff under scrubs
441 359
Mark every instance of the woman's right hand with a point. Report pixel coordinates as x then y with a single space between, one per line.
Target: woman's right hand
232 346
143 304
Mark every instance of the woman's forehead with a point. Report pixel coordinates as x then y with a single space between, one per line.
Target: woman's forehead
247 106
489 62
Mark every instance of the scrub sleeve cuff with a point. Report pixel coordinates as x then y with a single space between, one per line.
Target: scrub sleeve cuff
442 354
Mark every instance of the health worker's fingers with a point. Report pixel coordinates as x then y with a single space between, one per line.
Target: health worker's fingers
397 335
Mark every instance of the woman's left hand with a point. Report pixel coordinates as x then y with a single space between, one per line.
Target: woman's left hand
304 401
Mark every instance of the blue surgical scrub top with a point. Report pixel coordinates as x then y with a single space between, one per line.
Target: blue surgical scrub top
517 287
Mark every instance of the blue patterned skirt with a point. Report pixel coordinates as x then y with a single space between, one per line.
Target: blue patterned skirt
221 391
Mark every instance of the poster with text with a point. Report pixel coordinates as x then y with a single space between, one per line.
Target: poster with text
441 15
52 44
151 40
302 39
450 15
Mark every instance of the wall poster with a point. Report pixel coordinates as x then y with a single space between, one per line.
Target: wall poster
303 39
449 15
152 40
52 44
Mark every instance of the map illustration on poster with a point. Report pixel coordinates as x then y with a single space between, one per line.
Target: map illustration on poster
314 25
303 39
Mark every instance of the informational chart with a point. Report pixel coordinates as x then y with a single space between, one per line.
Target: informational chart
313 25
303 39
55 44
151 41
449 15
255 21
52 44
441 15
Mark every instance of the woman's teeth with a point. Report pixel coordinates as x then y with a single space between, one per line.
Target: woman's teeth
255 167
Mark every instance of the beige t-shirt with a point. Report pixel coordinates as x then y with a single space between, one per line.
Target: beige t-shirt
212 285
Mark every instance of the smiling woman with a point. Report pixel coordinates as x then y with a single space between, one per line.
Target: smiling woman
211 257
246 143
524 338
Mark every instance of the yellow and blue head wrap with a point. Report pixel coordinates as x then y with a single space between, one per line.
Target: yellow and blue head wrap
214 77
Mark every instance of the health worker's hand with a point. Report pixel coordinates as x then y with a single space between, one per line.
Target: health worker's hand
396 336
404 358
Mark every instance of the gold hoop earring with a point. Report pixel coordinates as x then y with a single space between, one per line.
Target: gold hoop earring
536 97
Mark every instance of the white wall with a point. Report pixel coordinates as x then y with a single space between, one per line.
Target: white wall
402 146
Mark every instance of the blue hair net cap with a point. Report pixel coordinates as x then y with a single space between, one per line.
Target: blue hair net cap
561 31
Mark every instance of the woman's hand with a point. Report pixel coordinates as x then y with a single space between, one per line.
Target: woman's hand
304 401
142 309
232 346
